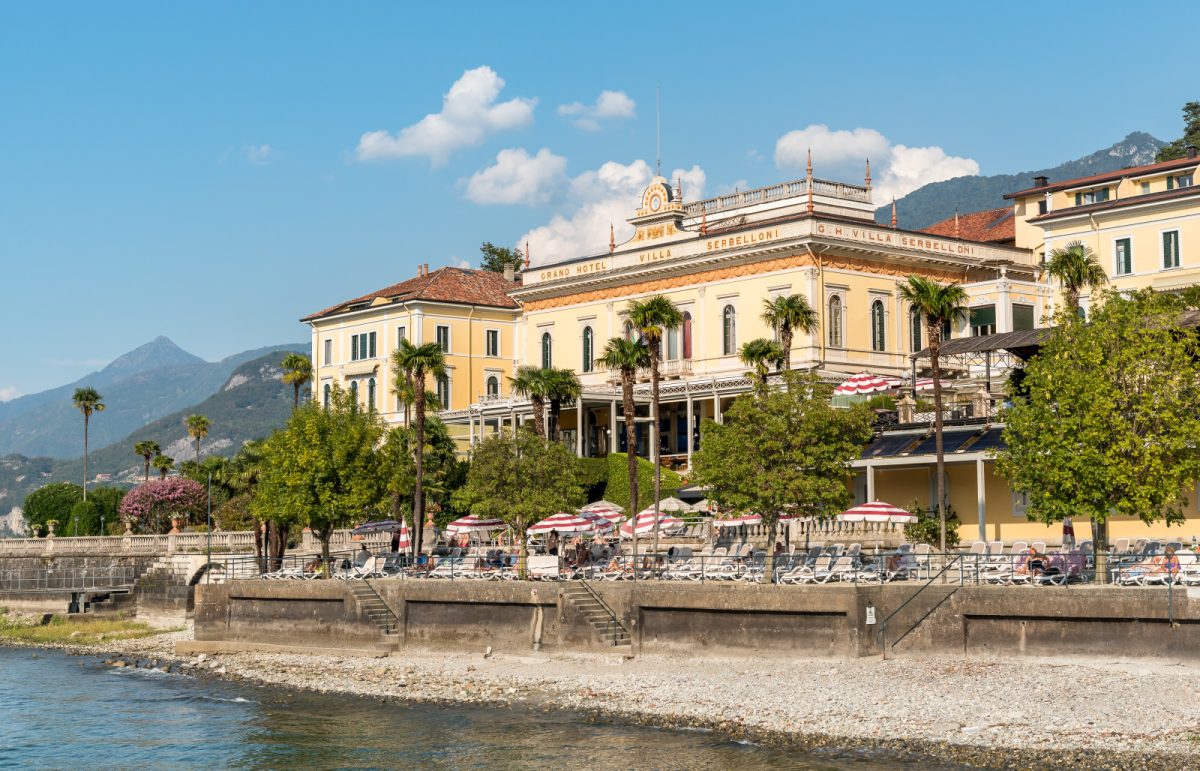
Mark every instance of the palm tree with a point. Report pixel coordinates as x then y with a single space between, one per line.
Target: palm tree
197 428
939 304
427 360
87 401
530 382
164 464
403 384
298 371
562 386
147 449
762 354
1076 267
788 314
652 317
627 357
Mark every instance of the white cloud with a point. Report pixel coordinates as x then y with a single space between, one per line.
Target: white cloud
597 199
518 177
469 114
460 263
260 155
610 105
8 393
897 170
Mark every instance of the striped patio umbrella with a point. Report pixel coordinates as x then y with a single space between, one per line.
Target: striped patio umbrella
672 504
878 511
603 506
471 523
745 519
645 524
612 515
866 383
566 523
405 541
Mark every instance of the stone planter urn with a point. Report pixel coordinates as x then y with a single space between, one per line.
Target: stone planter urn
50 528
174 526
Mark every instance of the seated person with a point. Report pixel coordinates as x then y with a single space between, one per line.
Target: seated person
1035 562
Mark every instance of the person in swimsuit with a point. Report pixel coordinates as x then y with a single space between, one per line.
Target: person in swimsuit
1035 563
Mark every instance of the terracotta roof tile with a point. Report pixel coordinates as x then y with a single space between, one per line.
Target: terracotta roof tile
449 285
1108 176
989 226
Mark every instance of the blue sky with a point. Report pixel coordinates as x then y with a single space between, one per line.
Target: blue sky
209 172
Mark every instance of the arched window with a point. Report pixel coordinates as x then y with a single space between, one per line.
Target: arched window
878 339
835 322
328 396
687 335
443 392
729 331
353 394
914 328
493 385
547 354
589 354
371 394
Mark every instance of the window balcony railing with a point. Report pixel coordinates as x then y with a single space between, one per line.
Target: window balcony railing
669 369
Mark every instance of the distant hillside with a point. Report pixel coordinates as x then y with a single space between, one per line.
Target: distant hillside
251 404
937 201
139 387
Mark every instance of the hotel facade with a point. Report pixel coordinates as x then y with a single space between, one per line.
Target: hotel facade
721 258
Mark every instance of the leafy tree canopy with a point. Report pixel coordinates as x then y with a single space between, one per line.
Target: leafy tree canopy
152 506
53 501
1191 134
497 258
1109 425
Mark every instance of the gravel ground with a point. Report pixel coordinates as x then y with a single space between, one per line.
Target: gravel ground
1010 713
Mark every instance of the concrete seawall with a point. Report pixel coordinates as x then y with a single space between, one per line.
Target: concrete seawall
724 619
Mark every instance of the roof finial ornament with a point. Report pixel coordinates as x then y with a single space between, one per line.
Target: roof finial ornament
704 222
868 174
893 212
956 231
808 178
612 239
808 173
679 187
527 255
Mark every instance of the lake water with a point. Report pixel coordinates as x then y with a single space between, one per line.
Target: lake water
71 712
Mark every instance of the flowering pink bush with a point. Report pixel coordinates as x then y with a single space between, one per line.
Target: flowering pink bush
154 503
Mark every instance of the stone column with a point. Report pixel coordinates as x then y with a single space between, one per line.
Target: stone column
906 408
870 482
688 438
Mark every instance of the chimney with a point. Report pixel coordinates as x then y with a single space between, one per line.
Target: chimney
1191 151
1041 181
419 274
426 269
509 273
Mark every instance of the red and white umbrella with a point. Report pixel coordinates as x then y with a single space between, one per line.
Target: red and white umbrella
745 519
405 539
645 523
878 511
926 384
611 515
471 522
602 506
866 383
568 523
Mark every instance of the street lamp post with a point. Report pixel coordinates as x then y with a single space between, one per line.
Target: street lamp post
208 562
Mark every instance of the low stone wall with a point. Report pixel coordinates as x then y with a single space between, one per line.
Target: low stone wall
724 619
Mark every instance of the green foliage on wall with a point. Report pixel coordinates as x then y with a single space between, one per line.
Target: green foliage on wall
617 489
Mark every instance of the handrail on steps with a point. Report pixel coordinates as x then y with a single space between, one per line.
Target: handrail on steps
613 622
903 605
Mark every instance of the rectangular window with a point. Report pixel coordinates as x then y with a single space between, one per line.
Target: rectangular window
1145 188
1124 255
491 343
1022 316
1181 180
1170 241
353 347
443 338
362 346
983 320
1100 195
328 352
1043 206
372 344
401 335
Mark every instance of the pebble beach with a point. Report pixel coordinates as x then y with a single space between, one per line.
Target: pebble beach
1003 713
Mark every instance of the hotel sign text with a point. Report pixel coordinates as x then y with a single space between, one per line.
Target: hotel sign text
905 240
742 239
582 269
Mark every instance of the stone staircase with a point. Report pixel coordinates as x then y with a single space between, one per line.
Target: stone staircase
587 603
165 588
378 612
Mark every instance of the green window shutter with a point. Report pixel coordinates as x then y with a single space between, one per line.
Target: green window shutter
1078 199
1124 256
1022 317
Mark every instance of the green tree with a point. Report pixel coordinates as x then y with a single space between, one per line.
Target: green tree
789 314
297 372
530 382
939 304
1191 134
107 502
522 479
321 470
627 357
785 451
1110 423
197 428
762 355
50 502
421 361
85 516
497 258
147 449
562 388
1076 268
164 464
87 401
653 317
